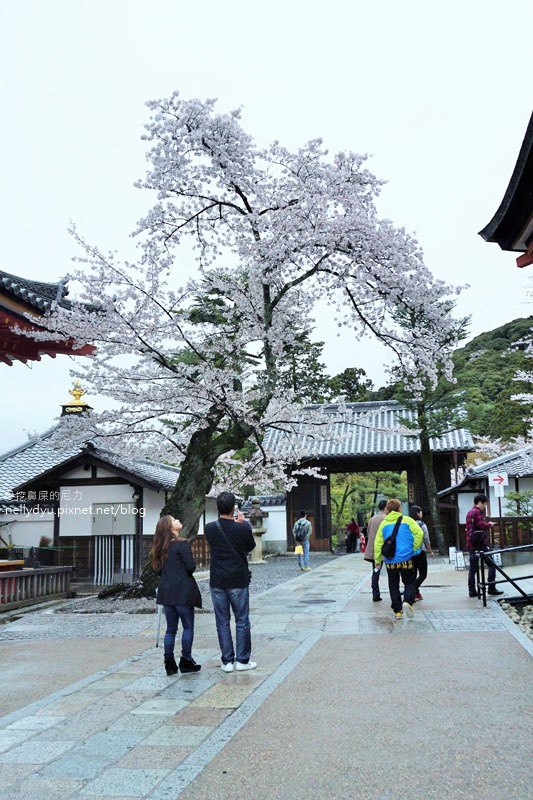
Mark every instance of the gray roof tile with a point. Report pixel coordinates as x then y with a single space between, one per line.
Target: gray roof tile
36 456
361 429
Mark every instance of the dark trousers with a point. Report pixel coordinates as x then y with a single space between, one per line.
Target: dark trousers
173 614
473 571
421 565
407 572
376 594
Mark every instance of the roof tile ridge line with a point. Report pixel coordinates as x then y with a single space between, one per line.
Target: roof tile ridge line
22 280
506 457
139 461
33 441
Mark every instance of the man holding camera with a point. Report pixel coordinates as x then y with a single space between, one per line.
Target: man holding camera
230 540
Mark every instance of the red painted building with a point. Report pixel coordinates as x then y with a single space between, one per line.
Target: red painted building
23 303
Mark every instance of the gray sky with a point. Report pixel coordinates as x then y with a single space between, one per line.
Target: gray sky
438 94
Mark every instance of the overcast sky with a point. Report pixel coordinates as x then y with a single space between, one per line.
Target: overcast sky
439 95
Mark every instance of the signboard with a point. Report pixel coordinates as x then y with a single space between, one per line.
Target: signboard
451 554
323 495
498 479
499 491
497 558
460 560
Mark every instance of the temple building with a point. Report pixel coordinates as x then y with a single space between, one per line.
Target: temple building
512 225
23 303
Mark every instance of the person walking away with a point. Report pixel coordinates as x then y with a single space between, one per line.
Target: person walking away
408 543
230 540
372 528
477 539
352 535
421 560
178 592
302 535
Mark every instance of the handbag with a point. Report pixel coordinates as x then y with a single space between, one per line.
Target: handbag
388 549
299 550
241 555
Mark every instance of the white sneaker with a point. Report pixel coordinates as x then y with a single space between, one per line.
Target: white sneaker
241 667
227 667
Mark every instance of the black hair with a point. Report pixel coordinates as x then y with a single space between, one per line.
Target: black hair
225 502
382 504
303 513
480 498
414 511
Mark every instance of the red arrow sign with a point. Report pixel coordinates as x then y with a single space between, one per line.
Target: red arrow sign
499 479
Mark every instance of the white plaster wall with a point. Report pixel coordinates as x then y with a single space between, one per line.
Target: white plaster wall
153 504
26 529
466 501
79 473
275 539
75 510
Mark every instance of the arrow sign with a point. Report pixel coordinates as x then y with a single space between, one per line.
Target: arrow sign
498 479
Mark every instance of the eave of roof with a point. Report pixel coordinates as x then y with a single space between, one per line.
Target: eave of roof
512 225
37 294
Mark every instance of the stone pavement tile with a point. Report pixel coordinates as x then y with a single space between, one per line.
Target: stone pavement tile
190 686
10 737
115 782
76 765
33 752
42 789
110 743
129 699
154 757
65 706
11 774
228 695
161 705
34 723
139 722
200 716
178 736
149 683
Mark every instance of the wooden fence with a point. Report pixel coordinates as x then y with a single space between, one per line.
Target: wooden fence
23 587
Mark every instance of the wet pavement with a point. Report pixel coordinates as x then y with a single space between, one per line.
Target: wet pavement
345 703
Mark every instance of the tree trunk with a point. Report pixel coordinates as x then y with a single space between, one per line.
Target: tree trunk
429 480
187 501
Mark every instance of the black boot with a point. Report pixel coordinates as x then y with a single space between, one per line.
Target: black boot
170 665
189 665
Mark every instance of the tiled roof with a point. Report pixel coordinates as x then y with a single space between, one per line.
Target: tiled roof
26 463
516 464
361 429
39 295
265 500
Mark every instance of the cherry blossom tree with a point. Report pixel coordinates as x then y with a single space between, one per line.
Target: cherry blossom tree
194 363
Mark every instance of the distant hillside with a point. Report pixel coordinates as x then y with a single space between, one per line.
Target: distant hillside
484 370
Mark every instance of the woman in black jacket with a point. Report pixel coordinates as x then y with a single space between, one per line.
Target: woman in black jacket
178 592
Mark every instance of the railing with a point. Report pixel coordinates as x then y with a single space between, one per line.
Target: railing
22 587
511 531
486 558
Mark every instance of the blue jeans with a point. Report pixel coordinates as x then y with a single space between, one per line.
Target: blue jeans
173 614
303 560
238 601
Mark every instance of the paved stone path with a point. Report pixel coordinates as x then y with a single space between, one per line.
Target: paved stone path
306 722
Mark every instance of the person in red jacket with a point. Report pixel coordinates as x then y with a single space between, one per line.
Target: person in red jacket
477 540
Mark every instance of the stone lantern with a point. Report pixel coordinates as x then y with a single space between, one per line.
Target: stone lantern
256 516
